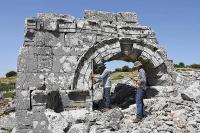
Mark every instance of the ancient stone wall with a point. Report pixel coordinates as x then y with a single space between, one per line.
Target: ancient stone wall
55 60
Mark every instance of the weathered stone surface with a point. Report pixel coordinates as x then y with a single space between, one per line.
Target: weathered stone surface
38 97
192 93
8 122
79 128
99 16
127 17
111 119
24 119
55 66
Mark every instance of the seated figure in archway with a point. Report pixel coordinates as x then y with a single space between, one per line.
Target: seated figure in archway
140 84
106 81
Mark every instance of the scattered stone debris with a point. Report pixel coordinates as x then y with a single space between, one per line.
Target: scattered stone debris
166 113
54 92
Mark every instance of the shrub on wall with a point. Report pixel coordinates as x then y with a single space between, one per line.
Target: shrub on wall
11 74
196 66
7 87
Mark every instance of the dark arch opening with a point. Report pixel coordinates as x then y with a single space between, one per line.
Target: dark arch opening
122 91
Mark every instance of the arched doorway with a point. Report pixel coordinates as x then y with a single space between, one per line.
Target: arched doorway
126 49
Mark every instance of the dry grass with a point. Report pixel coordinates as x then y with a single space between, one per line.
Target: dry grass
121 75
187 69
9 80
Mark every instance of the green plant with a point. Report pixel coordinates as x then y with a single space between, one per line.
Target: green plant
118 70
117 76
181 64
7 87
9 95
196 66
125 69
11 74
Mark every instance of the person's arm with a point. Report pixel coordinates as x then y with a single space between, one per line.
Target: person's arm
105 72
98 77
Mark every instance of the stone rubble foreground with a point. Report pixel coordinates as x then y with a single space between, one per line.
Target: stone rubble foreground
167 112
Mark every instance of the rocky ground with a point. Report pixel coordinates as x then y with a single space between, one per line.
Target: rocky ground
7 115
170 109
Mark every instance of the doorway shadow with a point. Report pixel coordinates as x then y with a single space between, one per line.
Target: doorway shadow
123 96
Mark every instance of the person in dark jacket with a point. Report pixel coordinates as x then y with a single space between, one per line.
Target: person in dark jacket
140 84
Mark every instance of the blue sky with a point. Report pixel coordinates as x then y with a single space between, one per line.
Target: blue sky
176 23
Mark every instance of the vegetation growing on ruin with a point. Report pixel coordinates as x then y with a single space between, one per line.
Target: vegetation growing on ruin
9 94
182 65
7 84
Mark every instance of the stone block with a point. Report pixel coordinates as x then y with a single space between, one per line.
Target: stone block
43 38
129 30
127 17
40 122
67 27
22 100
64 63
71 39
155 61
92 26
47 38
160 91
54 101
60 17
40 50
30 81
26 62
65 98
45 63
59 81
38 98
22 104
63 50
87 40
67 30
109 56
24 119
31 23
78 95
50 25
192 93
99 15
24 131
81 127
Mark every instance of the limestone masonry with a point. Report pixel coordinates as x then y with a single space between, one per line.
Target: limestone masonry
55 62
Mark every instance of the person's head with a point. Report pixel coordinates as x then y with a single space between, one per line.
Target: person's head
137 65
101 67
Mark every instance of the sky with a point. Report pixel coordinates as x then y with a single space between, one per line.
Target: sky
176 23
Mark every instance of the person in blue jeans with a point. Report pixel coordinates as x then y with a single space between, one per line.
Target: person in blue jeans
140 84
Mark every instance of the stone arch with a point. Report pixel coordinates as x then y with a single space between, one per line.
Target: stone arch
57 52
127 49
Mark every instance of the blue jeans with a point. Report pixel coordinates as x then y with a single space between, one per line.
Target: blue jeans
106 96
139 102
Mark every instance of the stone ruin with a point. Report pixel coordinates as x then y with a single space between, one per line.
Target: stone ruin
59 51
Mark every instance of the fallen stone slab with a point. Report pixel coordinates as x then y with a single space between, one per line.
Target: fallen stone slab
9 110
111 119
8 122
192 93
